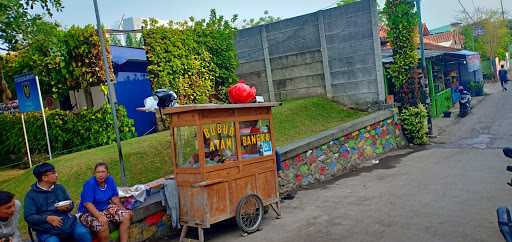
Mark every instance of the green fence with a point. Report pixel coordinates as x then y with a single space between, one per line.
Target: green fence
443 102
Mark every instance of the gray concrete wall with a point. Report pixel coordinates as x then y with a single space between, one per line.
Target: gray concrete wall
333 53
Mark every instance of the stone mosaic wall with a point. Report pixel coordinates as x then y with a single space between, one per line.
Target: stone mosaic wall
339 155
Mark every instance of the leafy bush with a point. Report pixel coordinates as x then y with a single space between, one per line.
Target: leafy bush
476 88
69 132
414 123
197 59
62 59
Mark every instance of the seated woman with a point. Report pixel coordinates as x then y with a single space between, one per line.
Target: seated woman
100 205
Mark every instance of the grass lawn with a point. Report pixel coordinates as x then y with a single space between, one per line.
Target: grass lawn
301 118
148 158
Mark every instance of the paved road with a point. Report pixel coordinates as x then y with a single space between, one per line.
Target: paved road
447 192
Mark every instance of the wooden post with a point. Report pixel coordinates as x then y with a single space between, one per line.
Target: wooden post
44 119
26 139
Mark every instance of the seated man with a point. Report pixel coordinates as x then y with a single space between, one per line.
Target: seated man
51 223
9 214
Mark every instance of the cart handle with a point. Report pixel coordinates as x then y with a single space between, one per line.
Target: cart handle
208 183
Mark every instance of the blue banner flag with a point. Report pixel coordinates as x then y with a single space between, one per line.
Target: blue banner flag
27 92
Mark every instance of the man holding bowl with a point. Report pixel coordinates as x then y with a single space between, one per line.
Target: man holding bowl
47 209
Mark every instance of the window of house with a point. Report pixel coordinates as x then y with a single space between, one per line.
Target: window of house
255 138
187 152
219 143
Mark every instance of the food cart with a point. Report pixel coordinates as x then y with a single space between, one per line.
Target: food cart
224 164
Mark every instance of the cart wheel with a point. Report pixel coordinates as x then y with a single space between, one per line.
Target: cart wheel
249 213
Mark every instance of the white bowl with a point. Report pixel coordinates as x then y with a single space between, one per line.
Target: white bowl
63 203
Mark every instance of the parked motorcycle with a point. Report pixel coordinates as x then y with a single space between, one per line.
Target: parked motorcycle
503 213
464 102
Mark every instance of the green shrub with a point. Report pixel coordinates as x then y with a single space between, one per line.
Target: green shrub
68 132
195 58
414 123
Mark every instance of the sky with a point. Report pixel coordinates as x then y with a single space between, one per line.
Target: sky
435 12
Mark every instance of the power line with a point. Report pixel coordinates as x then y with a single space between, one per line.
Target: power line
466 11
474 5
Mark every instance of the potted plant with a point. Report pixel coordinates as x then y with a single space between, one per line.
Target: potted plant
477 88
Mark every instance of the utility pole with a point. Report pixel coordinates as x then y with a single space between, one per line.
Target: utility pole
424 66
502 10
110 93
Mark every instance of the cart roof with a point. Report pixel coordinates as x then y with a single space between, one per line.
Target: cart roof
196 107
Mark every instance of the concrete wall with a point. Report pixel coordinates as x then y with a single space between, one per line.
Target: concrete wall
334 152
78 99
333 53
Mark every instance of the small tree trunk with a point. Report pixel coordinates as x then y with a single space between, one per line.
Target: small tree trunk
5 93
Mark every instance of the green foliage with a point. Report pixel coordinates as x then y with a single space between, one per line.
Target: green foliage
495 36
402 22
114 40
133 41
197 59
16 20
414 123
344 2
470 41
266 19
85 57
62 59
476 88
68 132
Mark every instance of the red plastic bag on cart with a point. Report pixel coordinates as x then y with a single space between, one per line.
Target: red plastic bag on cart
241 93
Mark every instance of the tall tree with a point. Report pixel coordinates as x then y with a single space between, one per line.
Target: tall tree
114 40
496 38
402 23
266 19
62 59
16 20
486 32
133 41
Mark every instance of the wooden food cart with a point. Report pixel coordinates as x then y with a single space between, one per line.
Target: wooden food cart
224 164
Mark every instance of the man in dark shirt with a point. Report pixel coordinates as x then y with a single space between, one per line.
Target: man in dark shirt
51 223
503 75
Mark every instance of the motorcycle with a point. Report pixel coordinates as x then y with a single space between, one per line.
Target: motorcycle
464 102
503 213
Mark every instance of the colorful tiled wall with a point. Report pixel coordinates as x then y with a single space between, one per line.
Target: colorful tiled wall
339 155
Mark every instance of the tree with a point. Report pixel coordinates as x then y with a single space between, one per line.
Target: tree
266 19
62 59
141 41
495 40
16 20
130 40
195 58
402 23
486 32
133 41
114 40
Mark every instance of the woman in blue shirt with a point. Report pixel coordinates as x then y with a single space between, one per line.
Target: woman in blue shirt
100 205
